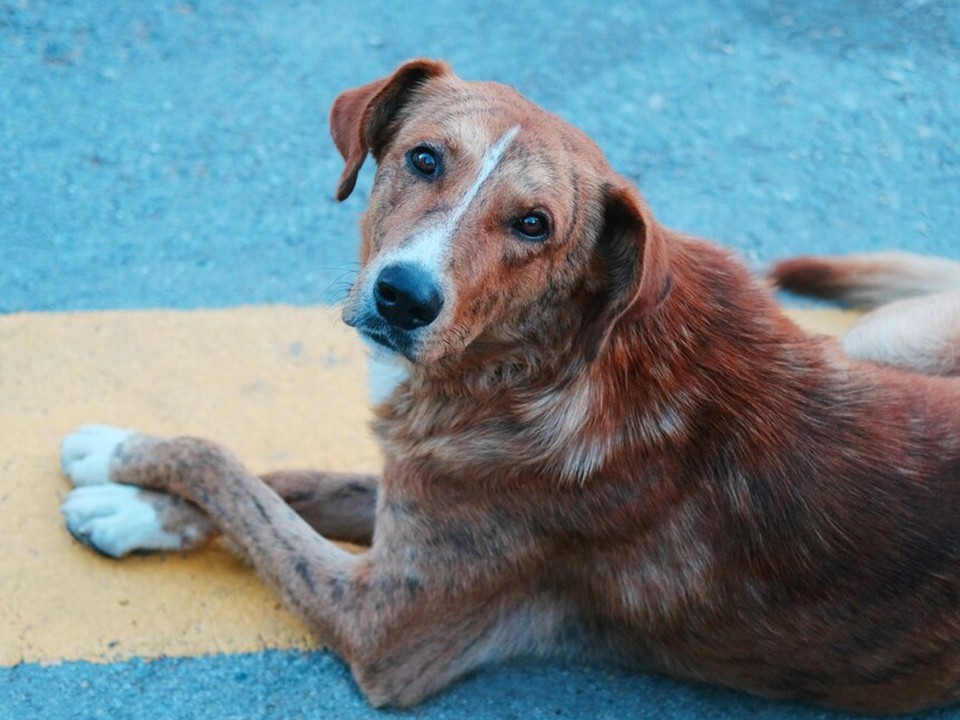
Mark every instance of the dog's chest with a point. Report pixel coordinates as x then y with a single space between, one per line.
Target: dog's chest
553 432
570 432
548 473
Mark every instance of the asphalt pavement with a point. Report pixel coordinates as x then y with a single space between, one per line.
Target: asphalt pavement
165 155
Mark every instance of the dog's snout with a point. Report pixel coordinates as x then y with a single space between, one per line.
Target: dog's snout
407 297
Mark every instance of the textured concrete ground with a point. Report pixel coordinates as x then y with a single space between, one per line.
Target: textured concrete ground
157 155
163 154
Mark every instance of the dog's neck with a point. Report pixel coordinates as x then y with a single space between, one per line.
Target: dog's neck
709 290
537 397
513 358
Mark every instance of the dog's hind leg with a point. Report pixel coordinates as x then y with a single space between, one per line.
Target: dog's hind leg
916 321
920 334
340 506
117 519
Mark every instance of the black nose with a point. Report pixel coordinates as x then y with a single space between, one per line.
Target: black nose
407 297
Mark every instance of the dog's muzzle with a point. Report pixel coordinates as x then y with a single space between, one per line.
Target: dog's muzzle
407 297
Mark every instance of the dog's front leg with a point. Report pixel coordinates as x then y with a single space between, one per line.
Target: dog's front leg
402 619
286 551
116 519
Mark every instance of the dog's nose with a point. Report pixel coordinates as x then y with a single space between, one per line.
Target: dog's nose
407 297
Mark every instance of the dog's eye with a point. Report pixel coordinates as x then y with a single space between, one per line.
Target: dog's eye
533 227
424 161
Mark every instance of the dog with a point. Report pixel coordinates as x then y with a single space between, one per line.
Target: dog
913 302
611 442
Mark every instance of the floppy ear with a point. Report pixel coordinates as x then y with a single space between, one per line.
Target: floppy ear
360 117
632 251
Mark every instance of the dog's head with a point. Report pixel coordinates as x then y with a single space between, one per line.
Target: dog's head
489 219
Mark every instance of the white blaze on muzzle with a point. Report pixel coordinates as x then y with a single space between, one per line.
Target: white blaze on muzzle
429 248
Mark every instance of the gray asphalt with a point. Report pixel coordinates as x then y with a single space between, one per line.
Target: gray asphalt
285 686
156 154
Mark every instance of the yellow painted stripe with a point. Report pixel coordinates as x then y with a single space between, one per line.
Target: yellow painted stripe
828 321
284 387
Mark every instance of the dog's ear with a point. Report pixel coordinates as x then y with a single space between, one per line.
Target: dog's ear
634 264
361 117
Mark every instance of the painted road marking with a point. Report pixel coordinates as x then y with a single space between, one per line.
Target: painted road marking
284 387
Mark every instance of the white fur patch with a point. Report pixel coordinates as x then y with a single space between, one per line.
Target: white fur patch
384 372
491 159
559 422
116 520
85 454
429 249
672 571
918 334
558 419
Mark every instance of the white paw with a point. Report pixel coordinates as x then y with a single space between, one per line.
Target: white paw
116 520
85 454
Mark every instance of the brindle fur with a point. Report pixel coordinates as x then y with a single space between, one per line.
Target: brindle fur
612 444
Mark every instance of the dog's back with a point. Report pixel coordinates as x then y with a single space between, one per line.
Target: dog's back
914 321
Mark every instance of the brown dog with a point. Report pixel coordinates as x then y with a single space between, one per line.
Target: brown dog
915 305
611 443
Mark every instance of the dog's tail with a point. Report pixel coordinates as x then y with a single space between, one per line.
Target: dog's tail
866 280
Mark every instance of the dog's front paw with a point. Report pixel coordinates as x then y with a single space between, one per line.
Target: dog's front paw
116 520
85 454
